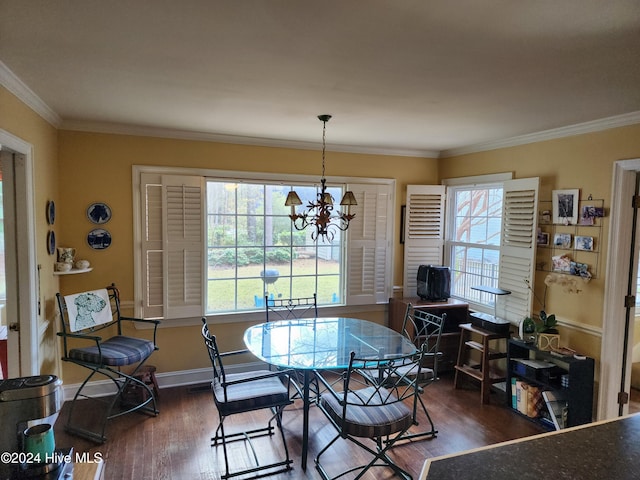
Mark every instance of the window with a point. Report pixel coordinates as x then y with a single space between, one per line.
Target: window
253 249
473 240
487 238
212 243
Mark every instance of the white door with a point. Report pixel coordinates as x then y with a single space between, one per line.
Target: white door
9 328
20 268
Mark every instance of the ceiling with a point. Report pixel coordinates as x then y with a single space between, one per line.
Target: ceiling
411 77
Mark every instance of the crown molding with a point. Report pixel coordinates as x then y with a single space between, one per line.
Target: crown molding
17 87
11 82
624 120
136 130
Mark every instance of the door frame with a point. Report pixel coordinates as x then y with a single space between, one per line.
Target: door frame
22 268
617 274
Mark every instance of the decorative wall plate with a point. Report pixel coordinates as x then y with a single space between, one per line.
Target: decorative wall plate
99 239
99 213
51 242
51 212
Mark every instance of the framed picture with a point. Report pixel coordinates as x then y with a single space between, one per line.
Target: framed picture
543 238
562 240
565 206
583 243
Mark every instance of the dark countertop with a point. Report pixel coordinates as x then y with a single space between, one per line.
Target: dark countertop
603 450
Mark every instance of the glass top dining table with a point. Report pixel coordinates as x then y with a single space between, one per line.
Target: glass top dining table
311 344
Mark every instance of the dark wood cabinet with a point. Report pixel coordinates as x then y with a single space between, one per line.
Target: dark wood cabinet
457 313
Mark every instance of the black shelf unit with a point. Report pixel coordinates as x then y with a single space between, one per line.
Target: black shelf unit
579 393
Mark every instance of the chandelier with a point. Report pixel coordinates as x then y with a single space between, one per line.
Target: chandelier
319 214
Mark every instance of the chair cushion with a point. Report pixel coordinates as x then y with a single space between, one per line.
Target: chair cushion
252 395
424 374
368 421
116 351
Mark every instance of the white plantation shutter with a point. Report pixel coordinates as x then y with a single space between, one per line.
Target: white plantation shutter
423 231
369 245
518 248
172 245
183 245
151 245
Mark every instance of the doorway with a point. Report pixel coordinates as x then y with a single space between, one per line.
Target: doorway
615 371
20 307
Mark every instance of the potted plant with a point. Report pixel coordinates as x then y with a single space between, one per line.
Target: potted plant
548 336
547 323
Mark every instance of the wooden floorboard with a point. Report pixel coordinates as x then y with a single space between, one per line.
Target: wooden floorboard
176 443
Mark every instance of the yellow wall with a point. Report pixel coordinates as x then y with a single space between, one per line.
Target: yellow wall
98 167
19 120
584 162
75 169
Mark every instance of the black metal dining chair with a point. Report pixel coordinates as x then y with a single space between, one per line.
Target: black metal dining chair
424 329
373 409
236 393
288 309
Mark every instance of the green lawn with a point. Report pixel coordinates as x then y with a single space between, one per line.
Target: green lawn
228 293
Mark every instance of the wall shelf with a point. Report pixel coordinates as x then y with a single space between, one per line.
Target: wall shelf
545 253
74 271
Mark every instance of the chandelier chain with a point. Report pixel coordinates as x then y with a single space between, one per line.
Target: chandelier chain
324 131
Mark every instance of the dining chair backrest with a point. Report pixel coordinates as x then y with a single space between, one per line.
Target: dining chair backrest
424 329
380 381
214 353
290 308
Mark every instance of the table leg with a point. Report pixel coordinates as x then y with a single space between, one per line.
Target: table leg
306 405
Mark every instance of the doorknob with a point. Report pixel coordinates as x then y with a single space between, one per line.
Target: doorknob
14 327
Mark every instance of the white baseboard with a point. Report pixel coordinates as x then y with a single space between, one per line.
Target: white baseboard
101 388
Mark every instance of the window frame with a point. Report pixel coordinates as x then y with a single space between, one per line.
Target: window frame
356 302
480 300
290 276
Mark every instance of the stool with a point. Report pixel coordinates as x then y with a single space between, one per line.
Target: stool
481 371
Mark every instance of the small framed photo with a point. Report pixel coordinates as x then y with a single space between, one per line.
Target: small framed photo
583 243
562 240
545 216
543 238
588 214
580 269
561 263
565 206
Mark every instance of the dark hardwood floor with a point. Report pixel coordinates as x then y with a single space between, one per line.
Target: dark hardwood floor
175 445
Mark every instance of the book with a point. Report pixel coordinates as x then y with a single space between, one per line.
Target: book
521 396
556 405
